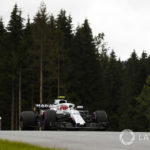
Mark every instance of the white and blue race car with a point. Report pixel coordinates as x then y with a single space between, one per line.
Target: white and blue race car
62 116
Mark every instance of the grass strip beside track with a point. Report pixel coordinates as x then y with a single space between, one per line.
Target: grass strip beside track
8 145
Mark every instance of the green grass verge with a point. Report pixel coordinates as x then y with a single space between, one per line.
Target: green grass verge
8 145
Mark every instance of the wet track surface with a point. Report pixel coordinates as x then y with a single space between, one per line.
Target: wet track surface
76 140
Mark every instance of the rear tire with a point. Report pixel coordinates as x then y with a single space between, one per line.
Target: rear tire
27 120
49 121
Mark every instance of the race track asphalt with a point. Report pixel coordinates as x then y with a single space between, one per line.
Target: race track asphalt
81 140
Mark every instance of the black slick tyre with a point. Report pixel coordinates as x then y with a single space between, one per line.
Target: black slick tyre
101 119
27 120
49 121
101 116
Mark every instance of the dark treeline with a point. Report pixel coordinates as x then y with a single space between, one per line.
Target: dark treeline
47 58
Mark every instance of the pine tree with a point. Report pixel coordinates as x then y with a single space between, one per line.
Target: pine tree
15 27
130 89
2 33
104 59
2 29
50 65
63 46
85 72
142 116
40 33
112 81
143 69
4 84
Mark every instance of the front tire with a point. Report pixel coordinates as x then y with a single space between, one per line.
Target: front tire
101 119
27 120
101 116
49 121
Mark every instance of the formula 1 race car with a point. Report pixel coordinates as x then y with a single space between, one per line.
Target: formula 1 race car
62 116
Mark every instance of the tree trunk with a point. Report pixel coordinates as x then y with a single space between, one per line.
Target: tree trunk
16 115
58 76
12 106
19 99
41 74
32 98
